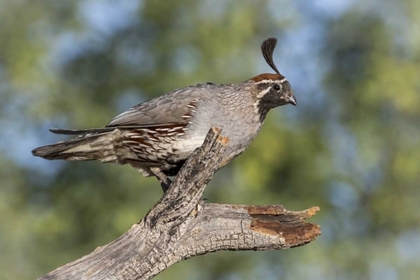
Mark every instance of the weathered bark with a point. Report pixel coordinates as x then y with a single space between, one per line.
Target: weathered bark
181 226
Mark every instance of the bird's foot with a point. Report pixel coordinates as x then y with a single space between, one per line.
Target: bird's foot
165 182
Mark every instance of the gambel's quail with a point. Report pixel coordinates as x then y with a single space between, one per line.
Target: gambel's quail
157 136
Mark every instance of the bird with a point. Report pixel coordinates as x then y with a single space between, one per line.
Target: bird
157 136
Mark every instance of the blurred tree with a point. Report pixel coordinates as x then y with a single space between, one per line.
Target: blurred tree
351 146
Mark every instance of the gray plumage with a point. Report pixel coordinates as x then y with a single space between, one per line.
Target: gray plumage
161 133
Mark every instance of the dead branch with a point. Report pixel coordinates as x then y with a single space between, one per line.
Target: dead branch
181 226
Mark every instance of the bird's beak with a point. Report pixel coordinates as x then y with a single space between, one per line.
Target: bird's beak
292 100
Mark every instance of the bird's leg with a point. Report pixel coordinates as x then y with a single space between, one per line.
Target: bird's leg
165 182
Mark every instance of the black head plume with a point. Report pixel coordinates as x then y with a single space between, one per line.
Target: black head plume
267 49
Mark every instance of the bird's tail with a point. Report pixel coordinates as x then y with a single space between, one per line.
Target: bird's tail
89 145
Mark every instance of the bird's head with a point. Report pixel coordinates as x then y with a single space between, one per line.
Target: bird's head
271 90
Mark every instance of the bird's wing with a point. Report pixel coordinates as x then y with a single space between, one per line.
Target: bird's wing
170 109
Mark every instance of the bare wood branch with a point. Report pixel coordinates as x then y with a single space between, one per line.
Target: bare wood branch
181 226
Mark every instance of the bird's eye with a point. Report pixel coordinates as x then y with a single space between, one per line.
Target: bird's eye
276 87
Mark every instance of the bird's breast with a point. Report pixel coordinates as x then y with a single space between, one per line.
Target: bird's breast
240 125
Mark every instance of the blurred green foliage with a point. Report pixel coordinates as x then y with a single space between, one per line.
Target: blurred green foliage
351 146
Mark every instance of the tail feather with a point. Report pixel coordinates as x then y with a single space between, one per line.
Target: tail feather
80 131
99 130
88 147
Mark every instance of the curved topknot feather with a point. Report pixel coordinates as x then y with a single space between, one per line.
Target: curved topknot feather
267 49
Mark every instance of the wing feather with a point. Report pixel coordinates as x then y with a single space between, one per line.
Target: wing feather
169 109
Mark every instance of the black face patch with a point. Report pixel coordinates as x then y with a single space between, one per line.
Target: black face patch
273 97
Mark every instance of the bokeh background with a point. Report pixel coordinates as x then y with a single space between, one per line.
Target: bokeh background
351 146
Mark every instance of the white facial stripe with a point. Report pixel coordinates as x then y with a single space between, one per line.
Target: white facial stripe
262 93
264 81
270 81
